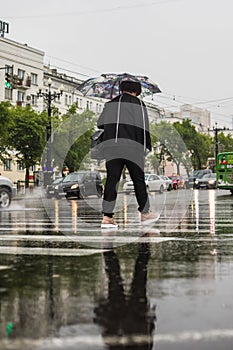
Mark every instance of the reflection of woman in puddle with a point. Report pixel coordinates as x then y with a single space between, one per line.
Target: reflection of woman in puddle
128 321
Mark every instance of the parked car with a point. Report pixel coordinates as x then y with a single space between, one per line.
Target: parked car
196 174
168 182
177 182
6 191
50 189
153 183
80 184
206 181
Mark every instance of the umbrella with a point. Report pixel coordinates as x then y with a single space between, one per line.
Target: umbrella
108 85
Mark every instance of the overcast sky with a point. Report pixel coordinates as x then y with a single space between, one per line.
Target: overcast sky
185 46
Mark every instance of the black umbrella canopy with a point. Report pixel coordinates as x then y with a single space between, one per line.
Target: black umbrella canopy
108 85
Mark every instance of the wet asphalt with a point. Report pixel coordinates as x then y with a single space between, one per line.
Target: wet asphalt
65 284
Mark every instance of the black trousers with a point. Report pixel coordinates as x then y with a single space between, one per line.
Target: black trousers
114 170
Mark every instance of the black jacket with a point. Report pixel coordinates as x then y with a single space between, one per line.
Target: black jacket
125 122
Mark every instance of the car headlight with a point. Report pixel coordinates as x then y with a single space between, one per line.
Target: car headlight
74 186
56 187
211 182
196 181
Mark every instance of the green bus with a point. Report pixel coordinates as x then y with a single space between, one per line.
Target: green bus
224 171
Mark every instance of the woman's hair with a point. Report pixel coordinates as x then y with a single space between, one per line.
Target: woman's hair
131 86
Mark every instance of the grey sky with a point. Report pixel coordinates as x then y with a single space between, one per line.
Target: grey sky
185 46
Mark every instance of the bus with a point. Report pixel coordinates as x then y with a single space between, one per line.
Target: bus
224 171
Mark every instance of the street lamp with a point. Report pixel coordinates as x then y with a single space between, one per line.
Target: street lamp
48 97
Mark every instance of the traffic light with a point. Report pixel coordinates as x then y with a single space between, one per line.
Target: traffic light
8 80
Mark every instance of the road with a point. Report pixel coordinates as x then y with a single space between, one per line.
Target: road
65 284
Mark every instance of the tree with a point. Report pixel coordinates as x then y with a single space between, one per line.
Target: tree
197 144
225 142
72 138
171 144
26 135
5 116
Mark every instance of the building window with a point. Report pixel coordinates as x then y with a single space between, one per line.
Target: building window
69 100
19 166
58 98
8 94
9 69
79 102
88 105
21 74
98 107
7 164
34 78
20 98
66 100
34 100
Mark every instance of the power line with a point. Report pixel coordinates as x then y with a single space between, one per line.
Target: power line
94 11
74 64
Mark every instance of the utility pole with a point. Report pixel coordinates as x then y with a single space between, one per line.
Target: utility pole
216 130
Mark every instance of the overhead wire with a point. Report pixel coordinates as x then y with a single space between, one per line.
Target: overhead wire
94 11
171 100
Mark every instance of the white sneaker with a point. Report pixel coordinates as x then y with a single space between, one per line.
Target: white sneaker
108 223
149 218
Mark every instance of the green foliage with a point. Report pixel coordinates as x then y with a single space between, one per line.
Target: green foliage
197 143
225 142
72 139
170 144
27 135
5 116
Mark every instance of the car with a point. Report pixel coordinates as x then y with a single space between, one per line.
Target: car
168 182
50 189
6 192
177 182
153 183
80 184
196 174
206 181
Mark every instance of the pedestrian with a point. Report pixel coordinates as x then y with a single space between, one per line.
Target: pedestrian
126 138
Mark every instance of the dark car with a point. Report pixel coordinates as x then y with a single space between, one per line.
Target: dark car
80 184
206 181
196 174
50 189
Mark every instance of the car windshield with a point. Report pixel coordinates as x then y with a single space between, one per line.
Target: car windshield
195 173
73 177
55 182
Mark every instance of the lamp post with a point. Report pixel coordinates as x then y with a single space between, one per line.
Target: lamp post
48 97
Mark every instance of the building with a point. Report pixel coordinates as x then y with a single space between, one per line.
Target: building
27 74
26 66
199 117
